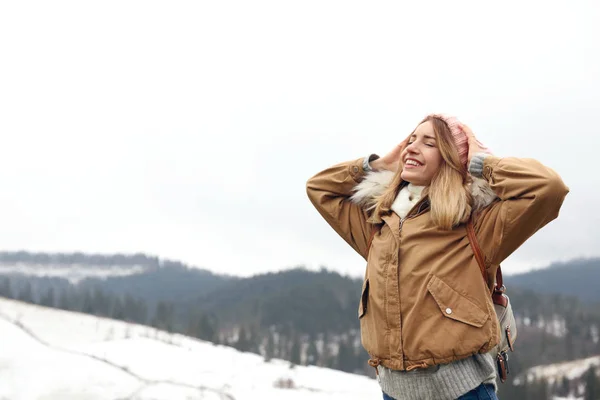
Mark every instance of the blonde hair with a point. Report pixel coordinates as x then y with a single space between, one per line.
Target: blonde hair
449 195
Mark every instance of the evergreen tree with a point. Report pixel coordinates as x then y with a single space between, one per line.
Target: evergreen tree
327 359
270 346
117 311
252 339
295 352
6 289
204 327
88 303
164 316
563 387
592 386
510 391
312 354
102 302
282 347
538 390
48 299
243 343
64 301
141 315
345 359
130 308
135 310
569 346
25 293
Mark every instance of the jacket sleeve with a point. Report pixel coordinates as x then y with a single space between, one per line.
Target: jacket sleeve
330 192
530 196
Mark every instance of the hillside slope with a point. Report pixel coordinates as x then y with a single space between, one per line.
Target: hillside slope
52 354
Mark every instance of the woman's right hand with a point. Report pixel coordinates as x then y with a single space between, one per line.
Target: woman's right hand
475 146
391 160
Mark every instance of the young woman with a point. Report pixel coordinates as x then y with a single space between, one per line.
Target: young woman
426 315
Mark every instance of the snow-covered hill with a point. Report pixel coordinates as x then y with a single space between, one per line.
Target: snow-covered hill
74 273
566 376
58 355
570 370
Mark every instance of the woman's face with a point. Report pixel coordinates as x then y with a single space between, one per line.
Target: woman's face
422 157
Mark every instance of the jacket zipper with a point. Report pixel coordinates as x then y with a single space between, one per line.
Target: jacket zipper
419 211
410 215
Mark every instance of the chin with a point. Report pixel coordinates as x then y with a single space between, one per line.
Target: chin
410 178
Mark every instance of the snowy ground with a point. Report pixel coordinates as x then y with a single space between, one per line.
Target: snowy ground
49 354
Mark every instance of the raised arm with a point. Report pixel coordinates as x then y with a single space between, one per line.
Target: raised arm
330 192
530 196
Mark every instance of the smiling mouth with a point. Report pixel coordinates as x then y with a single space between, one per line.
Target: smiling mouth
412 163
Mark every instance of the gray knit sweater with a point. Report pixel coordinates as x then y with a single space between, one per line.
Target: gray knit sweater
440 382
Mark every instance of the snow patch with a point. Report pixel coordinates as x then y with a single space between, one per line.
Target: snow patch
74 273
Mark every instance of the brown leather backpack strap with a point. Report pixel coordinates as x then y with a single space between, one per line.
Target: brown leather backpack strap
476 248
499 281
498 291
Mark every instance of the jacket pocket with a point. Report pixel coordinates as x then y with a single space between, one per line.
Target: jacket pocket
454 305
364 297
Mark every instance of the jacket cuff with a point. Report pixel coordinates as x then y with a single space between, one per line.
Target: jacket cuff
476 165
368 160
356 170
489 162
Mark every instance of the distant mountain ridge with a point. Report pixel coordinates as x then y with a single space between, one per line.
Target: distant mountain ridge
148 277
79 258
153 277
578 278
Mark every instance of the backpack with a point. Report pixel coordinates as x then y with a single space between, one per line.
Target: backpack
502 306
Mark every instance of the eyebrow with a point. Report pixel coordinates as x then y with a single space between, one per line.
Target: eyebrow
425 136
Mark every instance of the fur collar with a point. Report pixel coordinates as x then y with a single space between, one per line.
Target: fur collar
407 198
375 183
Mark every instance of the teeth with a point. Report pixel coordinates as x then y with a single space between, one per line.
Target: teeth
412 162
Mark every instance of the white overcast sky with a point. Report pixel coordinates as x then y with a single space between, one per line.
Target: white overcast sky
188 129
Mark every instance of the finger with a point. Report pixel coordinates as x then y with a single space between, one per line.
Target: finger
471 139
466 130
404 143
474 143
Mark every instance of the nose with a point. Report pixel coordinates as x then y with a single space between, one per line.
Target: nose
411 148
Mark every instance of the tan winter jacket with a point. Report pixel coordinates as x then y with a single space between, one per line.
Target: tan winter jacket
423 300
